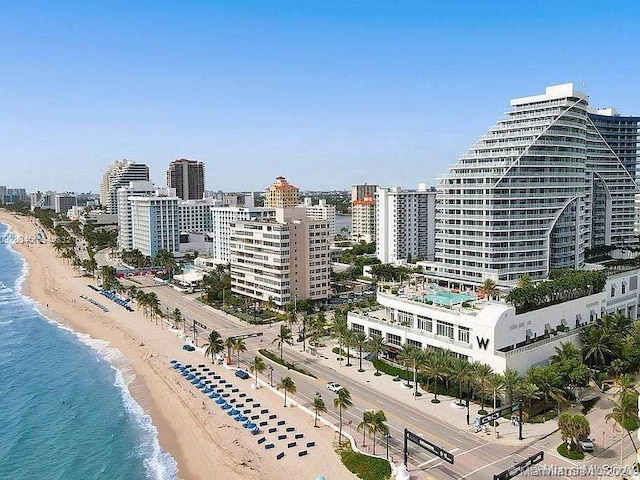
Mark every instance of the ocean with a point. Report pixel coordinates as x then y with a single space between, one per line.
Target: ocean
65 410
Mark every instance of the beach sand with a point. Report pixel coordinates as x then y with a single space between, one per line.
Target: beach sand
205 442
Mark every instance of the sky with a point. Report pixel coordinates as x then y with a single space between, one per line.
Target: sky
326 93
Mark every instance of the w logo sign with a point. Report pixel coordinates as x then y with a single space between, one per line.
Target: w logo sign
482 342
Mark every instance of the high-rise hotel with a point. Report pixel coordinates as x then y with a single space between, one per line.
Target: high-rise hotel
550 180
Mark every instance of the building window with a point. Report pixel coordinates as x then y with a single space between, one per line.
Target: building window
463 334
393 339
405 318
444 329
414 343
613 290
357 327
374 331
425 323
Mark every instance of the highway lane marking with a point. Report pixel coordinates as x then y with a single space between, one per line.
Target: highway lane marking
482 468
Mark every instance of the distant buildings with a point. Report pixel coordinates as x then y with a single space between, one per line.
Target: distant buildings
187 177
322 211
43 200
119 175
195 215
155 222
9 195
65 202
281 259
281 194
405 224
363 213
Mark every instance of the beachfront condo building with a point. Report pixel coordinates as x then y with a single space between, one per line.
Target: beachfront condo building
195 215
187 177
281 194
119 175
405 224
223 218
363 213
549 181
282 259
65 202
155 222
534 192
321 211
142 188
10 195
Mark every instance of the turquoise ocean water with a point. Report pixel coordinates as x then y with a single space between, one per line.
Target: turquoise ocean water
65 411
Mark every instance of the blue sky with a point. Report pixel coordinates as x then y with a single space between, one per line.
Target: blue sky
326 93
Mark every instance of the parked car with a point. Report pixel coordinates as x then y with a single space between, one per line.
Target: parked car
335 387
242 374
188 348
586 444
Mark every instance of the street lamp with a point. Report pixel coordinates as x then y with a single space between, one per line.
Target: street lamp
271 375
467 402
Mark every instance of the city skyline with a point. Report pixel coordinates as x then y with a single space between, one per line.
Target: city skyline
324 95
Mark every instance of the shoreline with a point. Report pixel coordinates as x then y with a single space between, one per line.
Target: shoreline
200 439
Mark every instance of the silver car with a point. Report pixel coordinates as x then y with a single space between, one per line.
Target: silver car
586 444
335 387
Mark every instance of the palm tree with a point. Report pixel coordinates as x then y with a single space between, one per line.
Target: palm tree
319 407
625 414
529 392
525 281
376 346
565 352
349 339
379 426
511 381
489 289
240 346
283 337
338 328
288 386
257 366
230 343
626 383
366 424
165 259
434 369
405 357
460 370
482 373
177 317
360 341
342 402
596 345
214 345
417 359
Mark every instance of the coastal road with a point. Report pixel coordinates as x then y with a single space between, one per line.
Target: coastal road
475 457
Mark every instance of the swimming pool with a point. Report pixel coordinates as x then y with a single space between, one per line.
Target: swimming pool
444 297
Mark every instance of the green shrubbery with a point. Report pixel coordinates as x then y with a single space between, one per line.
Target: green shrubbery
364 466
284 363
573 454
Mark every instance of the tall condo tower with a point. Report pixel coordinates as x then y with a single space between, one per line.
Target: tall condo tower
534 192
187 177
119 175
281 194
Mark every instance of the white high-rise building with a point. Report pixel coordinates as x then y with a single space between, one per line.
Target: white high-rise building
125 229
222 220
281 259
155 222
119 175
195 215
363 213
322 211
533 193
405 224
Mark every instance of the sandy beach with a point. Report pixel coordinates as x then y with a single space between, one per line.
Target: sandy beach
205 442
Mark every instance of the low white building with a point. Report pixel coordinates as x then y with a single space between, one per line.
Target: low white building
490 331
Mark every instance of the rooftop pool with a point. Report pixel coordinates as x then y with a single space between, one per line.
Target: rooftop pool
444 297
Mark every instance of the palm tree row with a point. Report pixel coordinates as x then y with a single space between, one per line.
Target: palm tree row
373 422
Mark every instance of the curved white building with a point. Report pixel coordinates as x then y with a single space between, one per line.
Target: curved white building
533 193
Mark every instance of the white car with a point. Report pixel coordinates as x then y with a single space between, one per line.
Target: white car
586 444
335 387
